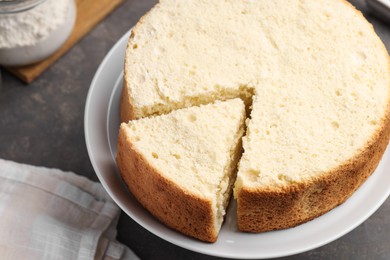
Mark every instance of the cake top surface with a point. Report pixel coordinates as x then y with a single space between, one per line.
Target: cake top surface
319 73
182 51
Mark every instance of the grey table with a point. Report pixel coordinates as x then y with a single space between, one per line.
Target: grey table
42 124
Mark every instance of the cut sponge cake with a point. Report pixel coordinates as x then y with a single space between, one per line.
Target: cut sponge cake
181 166
319 78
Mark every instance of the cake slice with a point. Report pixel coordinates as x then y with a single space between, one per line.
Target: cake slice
181 166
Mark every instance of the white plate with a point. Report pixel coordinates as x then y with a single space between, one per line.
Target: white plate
101 128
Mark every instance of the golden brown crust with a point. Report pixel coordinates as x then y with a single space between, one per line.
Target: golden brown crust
175 207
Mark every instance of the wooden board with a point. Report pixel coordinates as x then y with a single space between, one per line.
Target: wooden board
89 14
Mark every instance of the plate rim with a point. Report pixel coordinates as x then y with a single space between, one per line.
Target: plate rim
204 248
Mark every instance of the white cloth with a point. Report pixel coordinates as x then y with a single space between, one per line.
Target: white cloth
51 214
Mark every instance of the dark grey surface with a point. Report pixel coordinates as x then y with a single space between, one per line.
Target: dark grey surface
42 124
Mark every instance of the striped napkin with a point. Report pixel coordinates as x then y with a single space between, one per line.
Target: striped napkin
51 214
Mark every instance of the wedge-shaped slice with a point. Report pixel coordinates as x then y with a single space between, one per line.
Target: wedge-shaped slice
181 166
